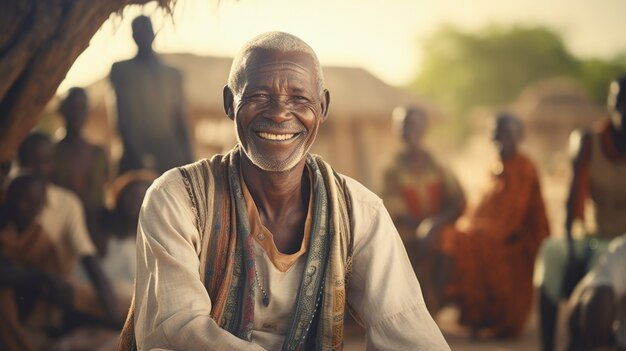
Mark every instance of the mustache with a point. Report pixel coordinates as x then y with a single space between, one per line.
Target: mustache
290 126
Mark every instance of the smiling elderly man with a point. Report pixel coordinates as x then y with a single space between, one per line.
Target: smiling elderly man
262 248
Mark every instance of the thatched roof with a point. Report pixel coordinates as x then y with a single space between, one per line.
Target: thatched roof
557 100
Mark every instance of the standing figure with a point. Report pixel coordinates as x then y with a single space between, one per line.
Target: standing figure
422 196
151 115
493 249
80 166
265 247
599 175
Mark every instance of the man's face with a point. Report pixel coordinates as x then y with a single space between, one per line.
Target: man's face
40 160
29 204
278 109
504 139
413 131
143 34
76 113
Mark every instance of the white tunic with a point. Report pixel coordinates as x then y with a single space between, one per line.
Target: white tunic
173 307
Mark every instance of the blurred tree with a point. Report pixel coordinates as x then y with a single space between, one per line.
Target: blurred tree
595 75
463 70
39 42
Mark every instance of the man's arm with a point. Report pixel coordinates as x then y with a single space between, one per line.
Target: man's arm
453 206
172 306
580 150
83 246
383 288
101 284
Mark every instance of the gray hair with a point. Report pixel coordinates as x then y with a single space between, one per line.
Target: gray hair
512 123
278 41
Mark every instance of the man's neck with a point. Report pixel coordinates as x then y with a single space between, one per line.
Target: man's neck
508 154
275 194
146 55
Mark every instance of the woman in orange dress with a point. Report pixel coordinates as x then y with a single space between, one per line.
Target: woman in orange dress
493 248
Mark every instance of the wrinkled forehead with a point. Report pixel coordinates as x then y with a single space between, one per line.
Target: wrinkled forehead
260 60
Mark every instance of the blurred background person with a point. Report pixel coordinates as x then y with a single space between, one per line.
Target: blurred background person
597 318
120 223
599 175
493 248
63 219
79 165
28 264
36 296
422 196
151 116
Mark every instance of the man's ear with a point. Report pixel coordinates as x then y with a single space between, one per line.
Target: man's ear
325 102
229 100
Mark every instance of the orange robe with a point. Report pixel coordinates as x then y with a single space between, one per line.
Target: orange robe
494 249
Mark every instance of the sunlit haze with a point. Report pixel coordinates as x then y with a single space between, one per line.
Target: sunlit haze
381 36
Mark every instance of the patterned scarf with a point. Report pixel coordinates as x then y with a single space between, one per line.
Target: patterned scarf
227 258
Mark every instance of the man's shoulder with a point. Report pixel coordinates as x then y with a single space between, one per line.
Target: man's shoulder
168 179
122 65
360 194
121 69
527 165
175 177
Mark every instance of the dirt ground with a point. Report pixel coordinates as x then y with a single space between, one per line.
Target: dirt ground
459 340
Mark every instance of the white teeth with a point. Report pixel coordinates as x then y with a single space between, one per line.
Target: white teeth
269 136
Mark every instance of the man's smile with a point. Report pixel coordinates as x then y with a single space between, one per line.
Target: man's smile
276 136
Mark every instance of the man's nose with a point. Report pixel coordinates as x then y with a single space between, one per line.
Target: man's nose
279 110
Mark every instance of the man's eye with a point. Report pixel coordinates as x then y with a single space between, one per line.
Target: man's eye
260 97
299 98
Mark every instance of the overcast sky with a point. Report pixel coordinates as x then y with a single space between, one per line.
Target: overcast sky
381 36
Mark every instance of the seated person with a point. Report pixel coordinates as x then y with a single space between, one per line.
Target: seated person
31 290
598 304
493 248
63 219
264 248
422 196
120 223
599 170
